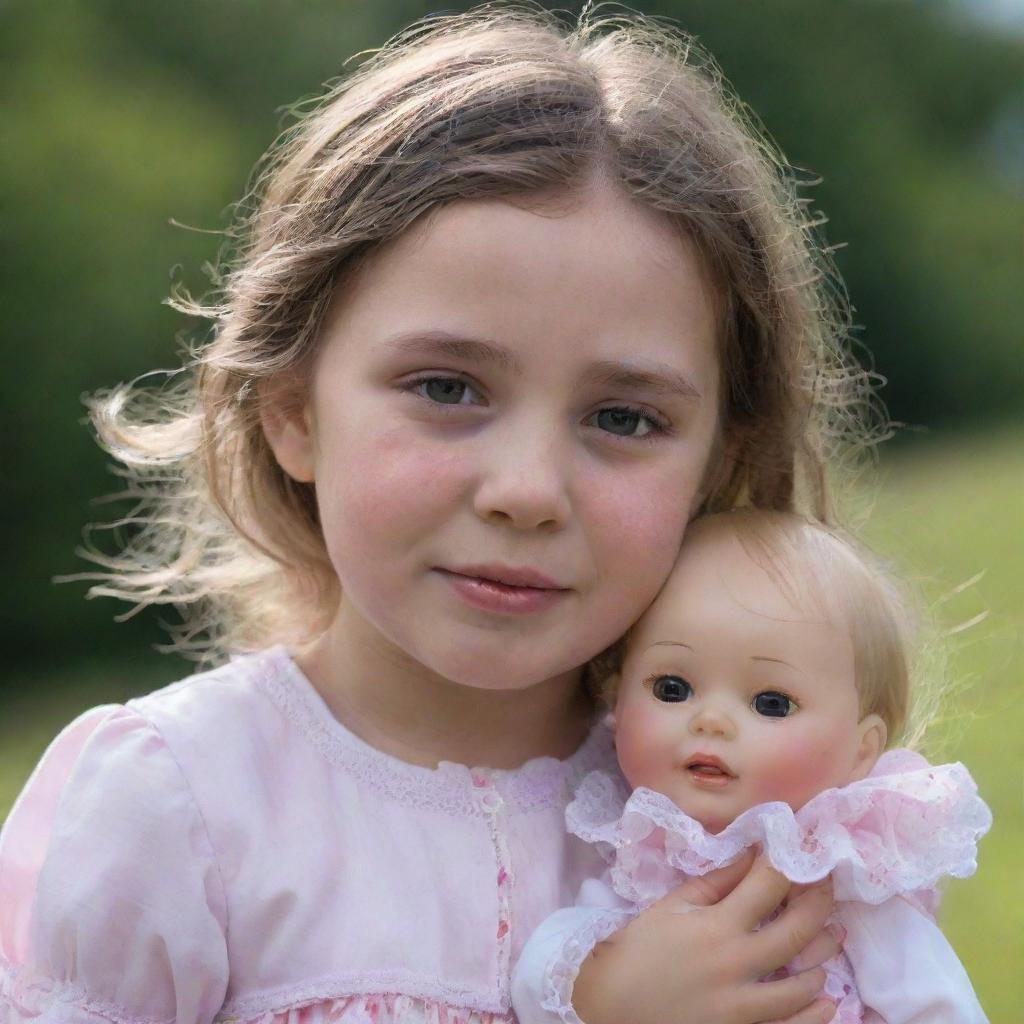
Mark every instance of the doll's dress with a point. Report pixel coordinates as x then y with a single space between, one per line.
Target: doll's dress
886 840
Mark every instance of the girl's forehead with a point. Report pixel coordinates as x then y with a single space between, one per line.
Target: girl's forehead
597 234
583 270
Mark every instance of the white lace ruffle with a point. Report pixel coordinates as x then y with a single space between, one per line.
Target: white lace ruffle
561 974
900 830
841 988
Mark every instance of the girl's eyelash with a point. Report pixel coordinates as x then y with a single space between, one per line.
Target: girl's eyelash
410 386
659 426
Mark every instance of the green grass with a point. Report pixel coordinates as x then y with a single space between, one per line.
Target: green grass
947 510
952 509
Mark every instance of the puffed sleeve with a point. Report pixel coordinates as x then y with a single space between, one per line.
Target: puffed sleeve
545 973
905 968
112 908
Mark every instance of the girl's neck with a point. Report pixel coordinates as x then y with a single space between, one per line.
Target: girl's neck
398 707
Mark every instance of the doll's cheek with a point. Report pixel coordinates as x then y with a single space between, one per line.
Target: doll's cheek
796 773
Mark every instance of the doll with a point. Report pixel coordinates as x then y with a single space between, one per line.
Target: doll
753 705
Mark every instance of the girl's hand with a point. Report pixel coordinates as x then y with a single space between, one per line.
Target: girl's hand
695 957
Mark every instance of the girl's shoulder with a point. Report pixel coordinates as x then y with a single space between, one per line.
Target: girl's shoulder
105 852
128 838
222 712
238 686
122 778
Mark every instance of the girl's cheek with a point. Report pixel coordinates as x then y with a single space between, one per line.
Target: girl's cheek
393 465
639 514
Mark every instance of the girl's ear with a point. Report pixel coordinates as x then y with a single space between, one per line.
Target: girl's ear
287 425
872 733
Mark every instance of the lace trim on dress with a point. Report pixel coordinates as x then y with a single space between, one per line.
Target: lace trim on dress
539 784
373 1009
29 994
841 988
560 976
897 831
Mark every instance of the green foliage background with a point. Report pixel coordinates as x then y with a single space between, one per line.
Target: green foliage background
125 116
121 116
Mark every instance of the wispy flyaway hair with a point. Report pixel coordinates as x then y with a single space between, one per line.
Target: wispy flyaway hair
504 101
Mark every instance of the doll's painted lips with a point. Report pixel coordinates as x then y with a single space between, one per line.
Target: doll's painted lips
708 770
501 588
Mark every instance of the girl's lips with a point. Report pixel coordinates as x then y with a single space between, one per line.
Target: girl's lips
511 576
498 596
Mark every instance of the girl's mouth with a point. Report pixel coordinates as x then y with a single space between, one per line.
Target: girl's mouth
518 592
508 575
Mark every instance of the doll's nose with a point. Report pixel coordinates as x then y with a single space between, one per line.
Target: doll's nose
710 720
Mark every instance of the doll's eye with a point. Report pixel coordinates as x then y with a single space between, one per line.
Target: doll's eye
671 689
773 705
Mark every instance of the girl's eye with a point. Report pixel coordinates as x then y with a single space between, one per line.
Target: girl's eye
445 391
773 705
671 689
627 422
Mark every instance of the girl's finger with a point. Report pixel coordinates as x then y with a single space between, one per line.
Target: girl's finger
779 941
705 890
825 945
780 1000
758 895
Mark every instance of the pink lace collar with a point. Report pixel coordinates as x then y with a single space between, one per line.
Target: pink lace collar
897 831
540 783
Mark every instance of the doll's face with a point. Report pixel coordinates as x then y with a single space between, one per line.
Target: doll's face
733 695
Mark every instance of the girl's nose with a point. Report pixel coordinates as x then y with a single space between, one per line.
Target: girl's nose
710 720
524 484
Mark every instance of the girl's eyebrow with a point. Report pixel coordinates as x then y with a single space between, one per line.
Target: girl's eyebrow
472 350
654 377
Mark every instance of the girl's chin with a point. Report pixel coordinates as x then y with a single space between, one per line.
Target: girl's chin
497 675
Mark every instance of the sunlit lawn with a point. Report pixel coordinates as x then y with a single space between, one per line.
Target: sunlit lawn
953 510
948 510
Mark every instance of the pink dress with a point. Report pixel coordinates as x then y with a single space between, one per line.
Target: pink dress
223 849
885 840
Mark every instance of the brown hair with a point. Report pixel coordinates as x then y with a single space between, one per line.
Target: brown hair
498 102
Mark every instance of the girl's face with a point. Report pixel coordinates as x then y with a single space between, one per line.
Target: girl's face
511 416
732 696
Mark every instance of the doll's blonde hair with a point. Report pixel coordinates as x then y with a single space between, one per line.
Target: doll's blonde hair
824 571
503 101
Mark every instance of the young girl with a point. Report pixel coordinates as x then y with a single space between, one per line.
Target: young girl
755 700
514 304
